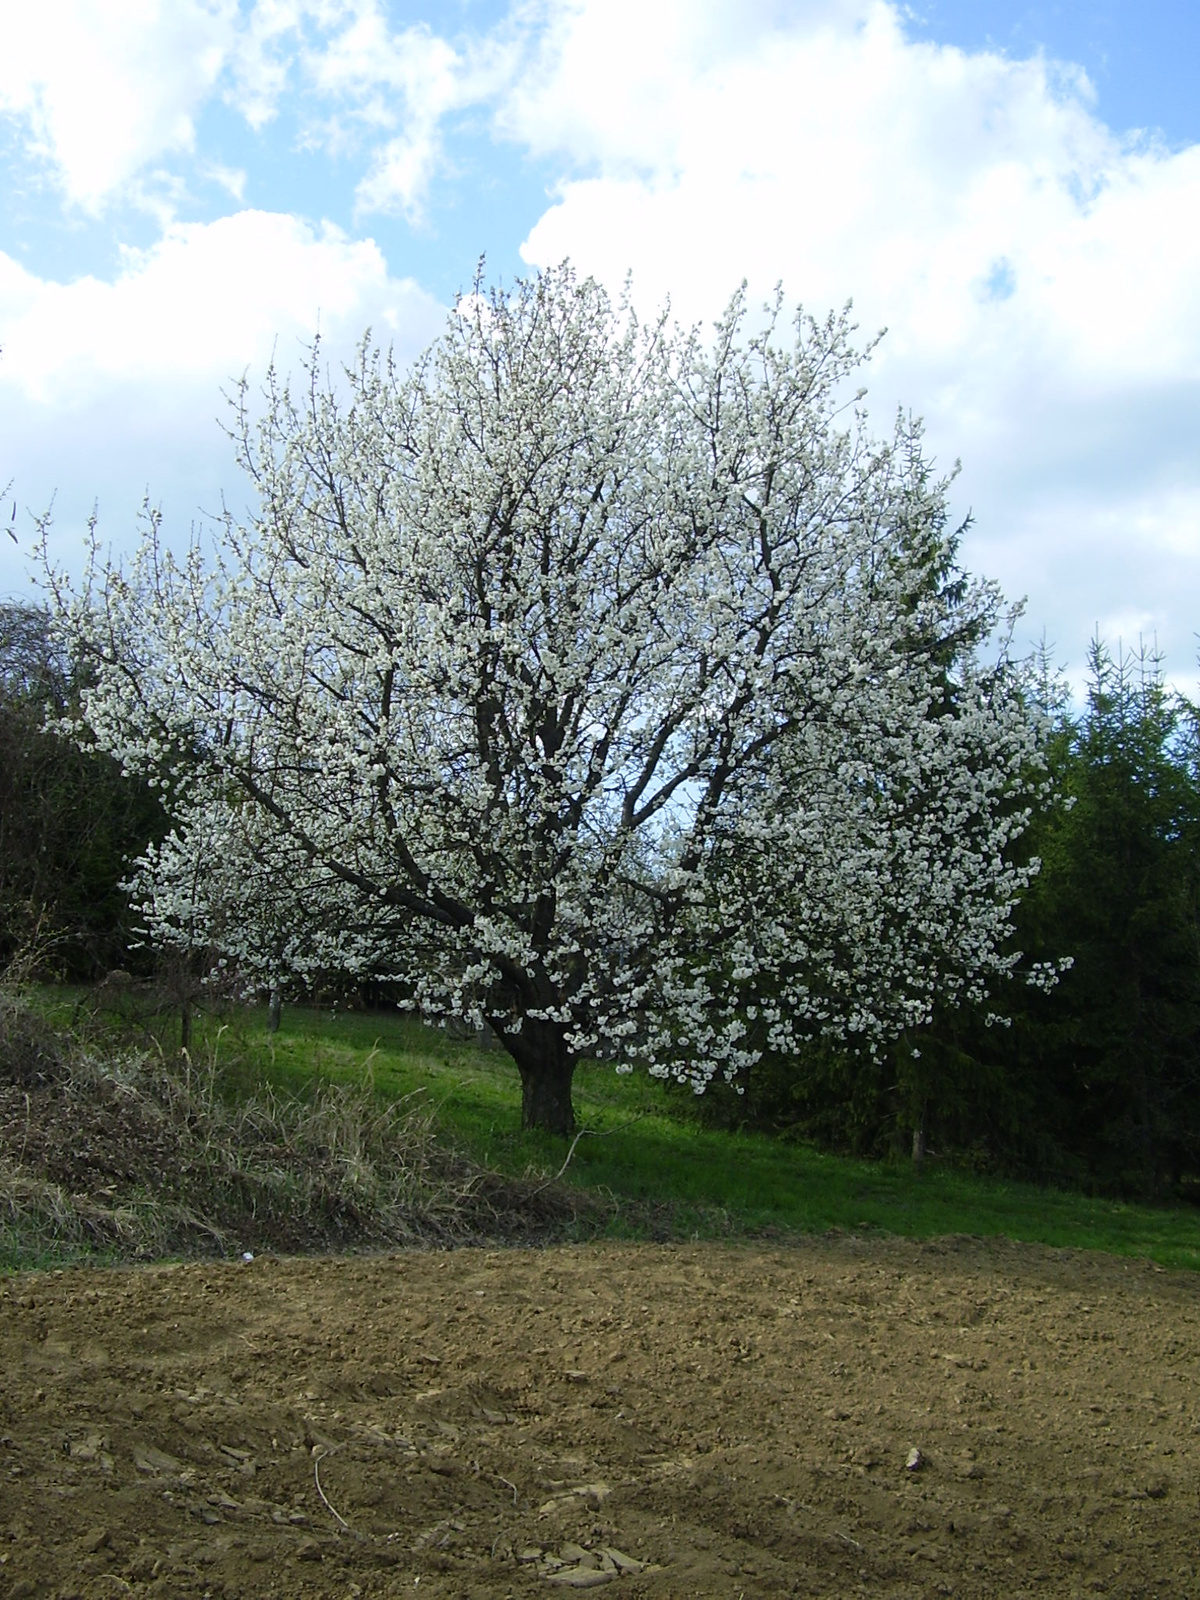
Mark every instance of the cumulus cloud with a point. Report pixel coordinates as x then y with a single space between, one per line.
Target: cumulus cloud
366 86
103 90
1039 273
928 184
104 94
411 80
110 387
406 83
205 300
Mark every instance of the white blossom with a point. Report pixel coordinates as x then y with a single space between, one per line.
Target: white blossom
591 680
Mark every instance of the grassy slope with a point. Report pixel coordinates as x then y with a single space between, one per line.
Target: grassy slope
706 1182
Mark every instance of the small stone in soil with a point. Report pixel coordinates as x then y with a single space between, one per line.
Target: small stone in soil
622 1562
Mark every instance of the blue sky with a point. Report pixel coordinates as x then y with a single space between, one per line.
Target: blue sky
1141 56
189 185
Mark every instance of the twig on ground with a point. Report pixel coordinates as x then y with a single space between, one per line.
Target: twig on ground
596 1133
565 1164
332 1509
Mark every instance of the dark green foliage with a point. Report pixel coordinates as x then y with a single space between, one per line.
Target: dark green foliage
69 820
1097 1081
1119 1045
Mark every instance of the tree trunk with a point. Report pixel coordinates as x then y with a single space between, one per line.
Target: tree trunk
918 1143
546 1067
274 1008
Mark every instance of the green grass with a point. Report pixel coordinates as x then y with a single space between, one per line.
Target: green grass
680 1178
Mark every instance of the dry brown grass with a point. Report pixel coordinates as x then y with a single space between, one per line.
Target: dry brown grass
116 1149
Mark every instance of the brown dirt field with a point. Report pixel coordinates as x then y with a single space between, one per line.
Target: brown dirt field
675 1421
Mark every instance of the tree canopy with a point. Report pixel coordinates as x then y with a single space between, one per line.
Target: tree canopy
69 821
1096 1081
1115 1061
604 682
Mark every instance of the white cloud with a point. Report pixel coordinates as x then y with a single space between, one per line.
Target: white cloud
406 83
102 90
106 388
855 162
414 71
261 59
106 93
231 179
390 90
204 301
1039 273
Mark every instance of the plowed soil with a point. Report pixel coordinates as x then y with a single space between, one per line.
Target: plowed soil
836 1417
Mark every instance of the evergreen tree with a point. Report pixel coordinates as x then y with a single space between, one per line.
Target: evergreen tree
69 820
1094 1080
1124 896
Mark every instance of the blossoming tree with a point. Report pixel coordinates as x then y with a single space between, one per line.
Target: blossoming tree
599 681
